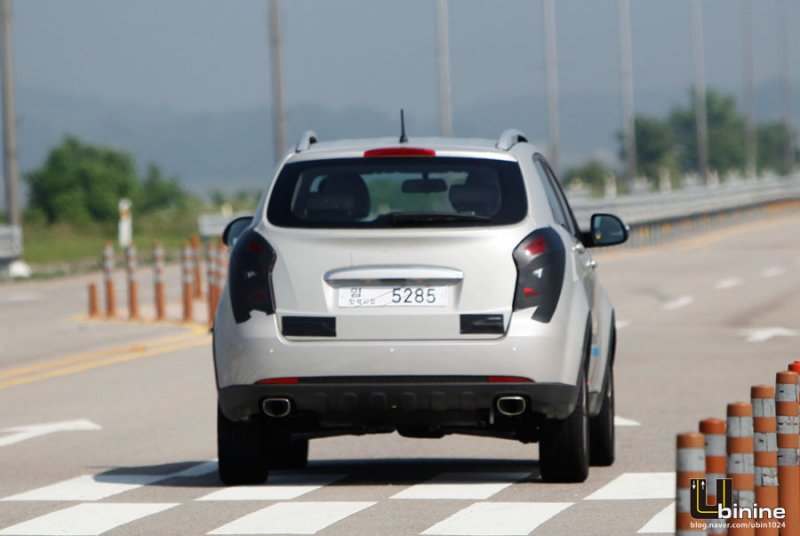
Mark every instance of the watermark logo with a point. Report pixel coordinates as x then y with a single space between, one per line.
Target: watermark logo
724 507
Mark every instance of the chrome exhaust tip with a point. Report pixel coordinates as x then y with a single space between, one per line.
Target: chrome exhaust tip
511 406
276 407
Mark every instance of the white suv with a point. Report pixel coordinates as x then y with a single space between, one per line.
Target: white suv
427 286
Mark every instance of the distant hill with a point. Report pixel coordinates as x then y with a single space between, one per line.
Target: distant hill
233 150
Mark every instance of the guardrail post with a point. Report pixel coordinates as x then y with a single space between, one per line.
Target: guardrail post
108 267
133 290
94 309
740 463
788 427
766 452
187 272
197 286
158 281
690 464
713 431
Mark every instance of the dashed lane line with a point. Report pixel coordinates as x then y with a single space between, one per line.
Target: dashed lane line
773 271
86 519
678 303
280 488
498 519
662 523
731 282
461 486
634 486
293 518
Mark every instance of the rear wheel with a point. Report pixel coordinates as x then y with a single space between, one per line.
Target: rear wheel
601 426
288 454
241 448
564 446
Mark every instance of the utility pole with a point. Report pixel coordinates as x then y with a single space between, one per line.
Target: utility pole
9 127
278 107
751 143
443 53
787 85
626 63
551 62
701 117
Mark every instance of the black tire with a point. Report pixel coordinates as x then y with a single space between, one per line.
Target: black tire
564 446
241 448
288 454
601 426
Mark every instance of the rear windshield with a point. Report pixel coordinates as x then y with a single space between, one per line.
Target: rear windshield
398 192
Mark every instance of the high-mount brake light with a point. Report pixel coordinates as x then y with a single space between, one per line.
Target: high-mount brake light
540 260
389 152
250 276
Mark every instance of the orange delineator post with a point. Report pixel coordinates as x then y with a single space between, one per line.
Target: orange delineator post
133 291
739 444
211 277
197 284
713 431
108 267
766 453
94 309
786 409
158 282
690 463
187 280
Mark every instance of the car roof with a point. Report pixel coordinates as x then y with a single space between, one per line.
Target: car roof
355 148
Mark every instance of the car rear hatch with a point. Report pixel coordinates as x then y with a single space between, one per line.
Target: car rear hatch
395 247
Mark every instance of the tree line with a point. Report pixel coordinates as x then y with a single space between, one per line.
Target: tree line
669 145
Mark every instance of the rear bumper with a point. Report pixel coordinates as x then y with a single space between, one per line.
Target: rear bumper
386 401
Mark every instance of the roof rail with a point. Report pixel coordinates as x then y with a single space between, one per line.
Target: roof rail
509 138
308 139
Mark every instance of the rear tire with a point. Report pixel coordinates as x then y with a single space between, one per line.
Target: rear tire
564 446
290 454
601 427
241 448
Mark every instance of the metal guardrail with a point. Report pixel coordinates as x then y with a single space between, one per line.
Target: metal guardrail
10 242
656 216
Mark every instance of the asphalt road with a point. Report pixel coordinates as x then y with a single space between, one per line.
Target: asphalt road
109 427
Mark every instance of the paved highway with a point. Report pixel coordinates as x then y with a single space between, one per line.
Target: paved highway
109 428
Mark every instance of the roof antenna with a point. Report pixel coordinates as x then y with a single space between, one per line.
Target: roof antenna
403 137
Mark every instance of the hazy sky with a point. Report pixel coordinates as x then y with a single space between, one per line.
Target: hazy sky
206 55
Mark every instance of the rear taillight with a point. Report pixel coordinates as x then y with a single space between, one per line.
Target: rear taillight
250 276
540 260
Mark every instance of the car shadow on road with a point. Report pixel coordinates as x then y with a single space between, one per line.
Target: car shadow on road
355 472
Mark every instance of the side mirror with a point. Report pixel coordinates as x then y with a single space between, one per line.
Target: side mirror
607 230
234 229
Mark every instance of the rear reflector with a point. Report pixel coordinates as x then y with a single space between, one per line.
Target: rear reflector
509 379
388 152
277 381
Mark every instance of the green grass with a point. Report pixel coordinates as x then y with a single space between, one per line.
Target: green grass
80 248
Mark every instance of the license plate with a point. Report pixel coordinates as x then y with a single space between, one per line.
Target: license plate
393 297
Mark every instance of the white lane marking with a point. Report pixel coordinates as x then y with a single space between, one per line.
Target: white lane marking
292 518
279 488
87 488
622 421
461 486
199 469
661 523
631 486
497 519
773 271
678 303
622 324
23 433
765 334
86 519
731 282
